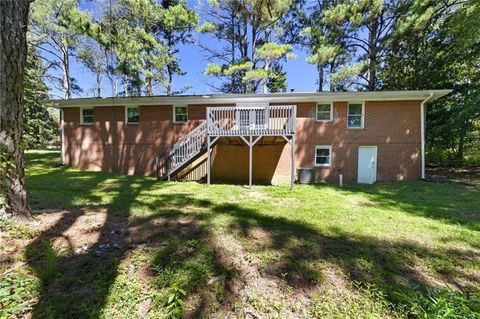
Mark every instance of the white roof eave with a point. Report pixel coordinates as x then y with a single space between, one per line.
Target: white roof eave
252 98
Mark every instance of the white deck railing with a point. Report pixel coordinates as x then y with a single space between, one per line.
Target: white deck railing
256 121
187 147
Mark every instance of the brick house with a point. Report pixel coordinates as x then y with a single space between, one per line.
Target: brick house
254 138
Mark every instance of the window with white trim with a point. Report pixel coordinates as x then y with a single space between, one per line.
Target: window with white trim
323 155
180 114
355 115
86 115
324 112
132 114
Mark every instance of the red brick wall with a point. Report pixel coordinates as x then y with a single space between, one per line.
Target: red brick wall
110 145
392 126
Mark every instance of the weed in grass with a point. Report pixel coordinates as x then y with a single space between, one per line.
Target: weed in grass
123 298
16 229
17 294
266 305
186 267
175 302
183 264
46 258
364 301
443 304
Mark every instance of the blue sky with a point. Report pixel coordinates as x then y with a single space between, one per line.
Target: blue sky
301 76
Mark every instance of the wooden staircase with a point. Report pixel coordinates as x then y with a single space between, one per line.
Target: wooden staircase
186 149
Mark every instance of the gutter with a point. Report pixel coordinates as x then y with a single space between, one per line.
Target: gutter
248 98
422 133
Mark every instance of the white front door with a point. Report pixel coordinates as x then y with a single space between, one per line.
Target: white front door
367 164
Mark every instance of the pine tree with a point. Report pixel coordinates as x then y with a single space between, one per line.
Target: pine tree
325 42
40 125
362 30
54 29
439 52
252 56
13 55
175 27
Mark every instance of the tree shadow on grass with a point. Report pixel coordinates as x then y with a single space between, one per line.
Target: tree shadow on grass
392 267
76 282
187 262
458 205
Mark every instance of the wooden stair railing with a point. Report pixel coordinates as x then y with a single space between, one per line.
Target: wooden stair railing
182 151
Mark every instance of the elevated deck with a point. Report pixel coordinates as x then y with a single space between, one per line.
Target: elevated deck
251 121
249 124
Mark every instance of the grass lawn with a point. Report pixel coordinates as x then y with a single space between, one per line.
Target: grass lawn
113 246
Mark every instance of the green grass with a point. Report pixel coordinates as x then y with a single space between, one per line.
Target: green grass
407 249
16 229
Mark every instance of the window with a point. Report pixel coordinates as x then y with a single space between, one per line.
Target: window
355 115
324 112
180 114
132 114
86 115
323 155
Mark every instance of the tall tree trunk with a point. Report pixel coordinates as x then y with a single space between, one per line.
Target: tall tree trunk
13 54
265 81
170 79
232 51
111 76
126 85
148 78
372 56
320 78
252 87
98 85
332 70
461 148
67 83
170 66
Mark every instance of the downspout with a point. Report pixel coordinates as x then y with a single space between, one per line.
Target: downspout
422 134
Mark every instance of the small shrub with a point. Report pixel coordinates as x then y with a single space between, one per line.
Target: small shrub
175 302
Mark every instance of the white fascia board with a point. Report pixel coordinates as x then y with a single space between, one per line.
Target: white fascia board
252 98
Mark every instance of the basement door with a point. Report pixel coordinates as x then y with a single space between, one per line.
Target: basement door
367 164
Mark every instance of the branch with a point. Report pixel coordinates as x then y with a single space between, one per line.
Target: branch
49 51
358 39
357 45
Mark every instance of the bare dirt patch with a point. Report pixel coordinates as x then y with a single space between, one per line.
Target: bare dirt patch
256 294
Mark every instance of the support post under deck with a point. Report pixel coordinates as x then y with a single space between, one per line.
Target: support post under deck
209 158
292 173
291 142
250 163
